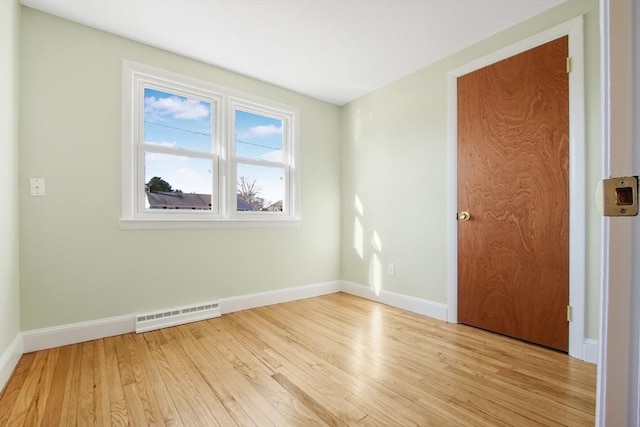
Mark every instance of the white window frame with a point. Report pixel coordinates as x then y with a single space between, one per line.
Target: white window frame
141 82
224 102
287 163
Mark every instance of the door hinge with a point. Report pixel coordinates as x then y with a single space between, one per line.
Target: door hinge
568 64
568 313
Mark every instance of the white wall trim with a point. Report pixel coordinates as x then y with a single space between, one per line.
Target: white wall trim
424 307
45 338
590 352
9 360
41 339
618 387
261 299
224 101
577 173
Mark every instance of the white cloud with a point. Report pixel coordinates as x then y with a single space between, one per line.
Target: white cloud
191 175
273 156
193 181
176 107
158 163
272 188
172 144
261 131
265 130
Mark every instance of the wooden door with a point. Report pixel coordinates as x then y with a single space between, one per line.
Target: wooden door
513 179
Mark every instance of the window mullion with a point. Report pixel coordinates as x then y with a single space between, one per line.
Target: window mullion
151 148
260 162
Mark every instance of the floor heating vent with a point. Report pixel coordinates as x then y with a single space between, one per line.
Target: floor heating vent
176 316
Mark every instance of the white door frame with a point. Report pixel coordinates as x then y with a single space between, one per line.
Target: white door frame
618 393
577 173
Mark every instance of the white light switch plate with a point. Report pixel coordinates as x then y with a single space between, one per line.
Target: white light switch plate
37 186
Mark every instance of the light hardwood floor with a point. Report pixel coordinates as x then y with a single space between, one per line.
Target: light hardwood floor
331 360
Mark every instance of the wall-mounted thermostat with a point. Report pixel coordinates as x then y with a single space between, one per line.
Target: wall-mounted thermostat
618 196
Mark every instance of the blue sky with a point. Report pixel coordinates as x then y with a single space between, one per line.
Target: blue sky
185 124
258 136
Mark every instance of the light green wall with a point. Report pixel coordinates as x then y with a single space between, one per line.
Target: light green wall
394 159
76 264
9 268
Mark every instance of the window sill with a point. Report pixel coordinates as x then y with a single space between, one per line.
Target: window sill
201 224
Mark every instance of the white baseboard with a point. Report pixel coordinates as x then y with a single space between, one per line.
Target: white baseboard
9 360
435 310
405 302
41 339
261 299
590 351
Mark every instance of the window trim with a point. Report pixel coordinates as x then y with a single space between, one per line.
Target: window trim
224 102
215 100
288 154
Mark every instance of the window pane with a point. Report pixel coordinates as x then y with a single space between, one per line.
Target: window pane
258 137
176 121
260 188
177 182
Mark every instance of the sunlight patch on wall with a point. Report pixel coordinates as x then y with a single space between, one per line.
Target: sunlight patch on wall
375 264
357 204
358 231
376 242
358 237
375 274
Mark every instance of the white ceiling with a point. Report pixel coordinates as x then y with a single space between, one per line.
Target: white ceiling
333 50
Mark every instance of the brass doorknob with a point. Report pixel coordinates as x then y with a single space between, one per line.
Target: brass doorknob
463 216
